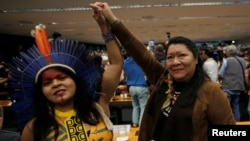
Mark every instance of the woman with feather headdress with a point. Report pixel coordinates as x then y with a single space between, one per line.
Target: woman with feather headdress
59 93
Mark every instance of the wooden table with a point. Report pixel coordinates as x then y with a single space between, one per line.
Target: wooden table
10 120
133 134
6 103
118 101
120 109
243 123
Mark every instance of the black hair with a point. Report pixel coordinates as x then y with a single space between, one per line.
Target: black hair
189 92
44 109
209 52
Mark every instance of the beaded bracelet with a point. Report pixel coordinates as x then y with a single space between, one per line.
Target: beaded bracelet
108 37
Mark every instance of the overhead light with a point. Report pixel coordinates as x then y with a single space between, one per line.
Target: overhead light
129 6
53 23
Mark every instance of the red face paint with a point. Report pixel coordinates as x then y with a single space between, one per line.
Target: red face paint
57 86
61 98
51 74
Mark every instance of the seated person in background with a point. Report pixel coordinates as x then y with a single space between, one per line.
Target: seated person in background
6 135
3 80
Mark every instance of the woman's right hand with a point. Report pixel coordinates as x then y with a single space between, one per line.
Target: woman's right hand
100 19
107 12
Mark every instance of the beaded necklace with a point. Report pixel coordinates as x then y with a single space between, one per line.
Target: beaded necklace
171 97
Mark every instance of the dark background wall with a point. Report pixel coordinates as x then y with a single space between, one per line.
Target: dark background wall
10 45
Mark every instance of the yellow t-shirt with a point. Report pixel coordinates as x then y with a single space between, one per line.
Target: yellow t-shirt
73 130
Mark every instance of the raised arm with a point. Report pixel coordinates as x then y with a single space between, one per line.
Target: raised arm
111 76
151 67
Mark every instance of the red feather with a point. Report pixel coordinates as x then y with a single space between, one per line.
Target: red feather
42 42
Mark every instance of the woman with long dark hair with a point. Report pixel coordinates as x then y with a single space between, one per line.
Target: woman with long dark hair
184 102
59 92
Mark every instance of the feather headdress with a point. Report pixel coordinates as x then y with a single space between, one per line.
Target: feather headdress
25 69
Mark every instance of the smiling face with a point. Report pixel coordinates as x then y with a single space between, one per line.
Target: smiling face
58 87
181 62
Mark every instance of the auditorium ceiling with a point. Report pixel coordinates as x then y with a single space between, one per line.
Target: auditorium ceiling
199 20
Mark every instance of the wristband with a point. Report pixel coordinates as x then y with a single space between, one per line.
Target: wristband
108 37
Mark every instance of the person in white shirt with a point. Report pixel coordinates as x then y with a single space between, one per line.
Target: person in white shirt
210 66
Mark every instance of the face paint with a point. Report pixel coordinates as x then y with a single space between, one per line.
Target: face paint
57 86
50 75
61 98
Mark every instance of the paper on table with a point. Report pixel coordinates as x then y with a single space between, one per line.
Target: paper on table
118 128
